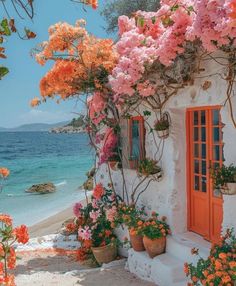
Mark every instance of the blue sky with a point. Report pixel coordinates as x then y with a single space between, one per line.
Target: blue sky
22 83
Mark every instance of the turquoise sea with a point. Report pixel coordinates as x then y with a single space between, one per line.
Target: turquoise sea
38 157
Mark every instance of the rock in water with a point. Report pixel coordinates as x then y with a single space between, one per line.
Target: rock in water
45 188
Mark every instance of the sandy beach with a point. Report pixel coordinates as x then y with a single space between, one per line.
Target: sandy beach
53 223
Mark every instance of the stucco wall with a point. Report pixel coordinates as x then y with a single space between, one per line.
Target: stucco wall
169 197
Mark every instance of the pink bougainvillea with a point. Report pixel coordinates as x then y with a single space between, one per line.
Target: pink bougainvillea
97 105
161 36
109 144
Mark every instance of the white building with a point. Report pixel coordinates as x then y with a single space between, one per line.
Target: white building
201 134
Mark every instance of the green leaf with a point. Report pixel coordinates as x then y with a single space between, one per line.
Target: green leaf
174 8
3 71
5 26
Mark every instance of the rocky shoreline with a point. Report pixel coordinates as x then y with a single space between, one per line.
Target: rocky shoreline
67 130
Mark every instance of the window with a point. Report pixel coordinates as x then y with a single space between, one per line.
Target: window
136 140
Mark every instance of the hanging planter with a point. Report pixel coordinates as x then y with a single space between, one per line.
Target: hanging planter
148 167
229 189
105 254
114 165
224 179
162 126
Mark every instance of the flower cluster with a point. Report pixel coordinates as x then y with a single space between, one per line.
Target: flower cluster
82 61
96 221
159 37
109 145
8 236
219 268
155 228
92 3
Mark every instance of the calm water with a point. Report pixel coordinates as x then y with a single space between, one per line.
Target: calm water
38 157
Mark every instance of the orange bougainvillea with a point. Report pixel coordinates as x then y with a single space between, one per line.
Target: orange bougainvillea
92 3
82 62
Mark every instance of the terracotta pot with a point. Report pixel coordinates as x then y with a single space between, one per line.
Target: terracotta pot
230 189
155 246
113 165
105 254
133 164
163 133
136 242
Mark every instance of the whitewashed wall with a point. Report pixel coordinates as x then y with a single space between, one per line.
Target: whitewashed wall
169 197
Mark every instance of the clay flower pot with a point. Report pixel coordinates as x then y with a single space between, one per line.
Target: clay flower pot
230 189
155 246
105 254
136 242
163 133
113 165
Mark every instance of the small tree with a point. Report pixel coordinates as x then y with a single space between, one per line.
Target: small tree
114 9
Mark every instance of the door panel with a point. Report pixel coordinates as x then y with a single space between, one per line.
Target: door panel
205 149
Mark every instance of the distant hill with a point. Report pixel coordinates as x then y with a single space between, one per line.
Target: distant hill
35 127
77 125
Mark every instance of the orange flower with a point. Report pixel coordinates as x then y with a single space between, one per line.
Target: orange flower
35 102
226 279
98 191
21 234
6 219
140 223
4 172
186 269
107 233
222 255
232 264
11 259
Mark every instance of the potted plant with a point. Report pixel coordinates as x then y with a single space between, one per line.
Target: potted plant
162 126
154 235
96 228
220 266
133 162
133 218
147 167
224 179
114 162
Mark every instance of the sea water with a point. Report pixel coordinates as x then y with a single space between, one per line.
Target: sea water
40 157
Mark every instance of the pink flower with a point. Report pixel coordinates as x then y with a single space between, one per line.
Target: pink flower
111 213
94 215
85 233
94 204
109 144
77 209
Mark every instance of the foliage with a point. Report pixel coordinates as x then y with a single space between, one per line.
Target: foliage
8 236
162 124
154 228
223 175
219 269
148 167
77 122
131 216
95 222
112 10
7 24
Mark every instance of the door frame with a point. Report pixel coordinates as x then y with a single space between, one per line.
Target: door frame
189 156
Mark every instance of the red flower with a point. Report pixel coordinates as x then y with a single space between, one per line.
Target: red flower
11 259
98 192
21 234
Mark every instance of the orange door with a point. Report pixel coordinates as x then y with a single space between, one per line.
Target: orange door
205 149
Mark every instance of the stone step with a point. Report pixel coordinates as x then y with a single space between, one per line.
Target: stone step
180 247
163 270
167 270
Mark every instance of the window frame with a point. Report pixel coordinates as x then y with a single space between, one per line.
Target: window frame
141 138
